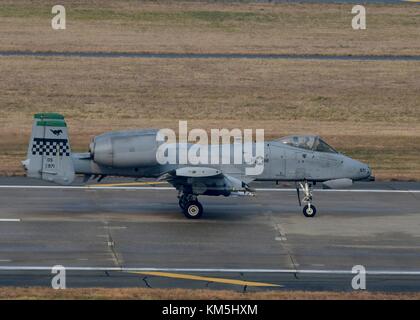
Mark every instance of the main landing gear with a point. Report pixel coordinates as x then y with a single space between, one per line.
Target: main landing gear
190 206
309 209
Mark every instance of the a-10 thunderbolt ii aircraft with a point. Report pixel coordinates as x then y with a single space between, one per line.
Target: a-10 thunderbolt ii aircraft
304 160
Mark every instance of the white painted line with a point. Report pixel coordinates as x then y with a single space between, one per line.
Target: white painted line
281 232
83 188
171 188
342 190
280 238
217 270
113 228
10 220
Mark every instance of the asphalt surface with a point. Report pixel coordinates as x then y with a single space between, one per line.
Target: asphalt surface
144 228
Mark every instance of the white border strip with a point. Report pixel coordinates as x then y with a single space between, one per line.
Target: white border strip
345 190
92 187
98 187
215 270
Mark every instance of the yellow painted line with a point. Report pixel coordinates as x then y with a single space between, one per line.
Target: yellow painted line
412 1
208 279
126 184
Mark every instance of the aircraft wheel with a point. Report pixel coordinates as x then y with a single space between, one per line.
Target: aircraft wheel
193 210
181 203
309 211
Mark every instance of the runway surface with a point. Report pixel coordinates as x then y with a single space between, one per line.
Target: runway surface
255 243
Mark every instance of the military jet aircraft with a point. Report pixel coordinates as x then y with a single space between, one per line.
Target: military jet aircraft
304 160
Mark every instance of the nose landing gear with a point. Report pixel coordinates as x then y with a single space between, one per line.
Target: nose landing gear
309 210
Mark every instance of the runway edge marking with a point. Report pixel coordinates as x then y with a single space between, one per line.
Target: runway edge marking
171 188
216 270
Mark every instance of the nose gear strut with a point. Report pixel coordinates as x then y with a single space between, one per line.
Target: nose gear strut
309 210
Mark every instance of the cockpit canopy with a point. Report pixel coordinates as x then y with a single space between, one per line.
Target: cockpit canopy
314 143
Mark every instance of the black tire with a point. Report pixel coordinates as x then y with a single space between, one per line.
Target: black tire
181 204
193 210
309 212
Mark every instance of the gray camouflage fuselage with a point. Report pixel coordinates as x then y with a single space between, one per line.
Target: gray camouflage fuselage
194 169
133 154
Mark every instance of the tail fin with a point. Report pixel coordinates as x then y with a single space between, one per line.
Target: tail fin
49 154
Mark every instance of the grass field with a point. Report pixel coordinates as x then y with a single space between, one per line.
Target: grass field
369 110
210 27
185 294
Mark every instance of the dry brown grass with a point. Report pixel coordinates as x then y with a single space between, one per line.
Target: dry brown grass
367 109
210 27
178 294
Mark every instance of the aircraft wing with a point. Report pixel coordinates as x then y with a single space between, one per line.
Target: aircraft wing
207 181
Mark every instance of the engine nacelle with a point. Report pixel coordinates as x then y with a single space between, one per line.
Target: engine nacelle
125 149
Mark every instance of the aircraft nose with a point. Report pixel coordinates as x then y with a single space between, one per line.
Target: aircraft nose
358 170
364 171
369 176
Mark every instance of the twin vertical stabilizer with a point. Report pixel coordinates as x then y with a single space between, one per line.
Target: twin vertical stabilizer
49 154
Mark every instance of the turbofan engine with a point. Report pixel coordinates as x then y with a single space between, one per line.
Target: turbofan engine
125 149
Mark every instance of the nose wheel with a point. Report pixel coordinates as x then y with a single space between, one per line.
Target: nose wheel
309 210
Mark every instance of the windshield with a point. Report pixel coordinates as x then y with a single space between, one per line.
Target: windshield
313 143
322 146
302 142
